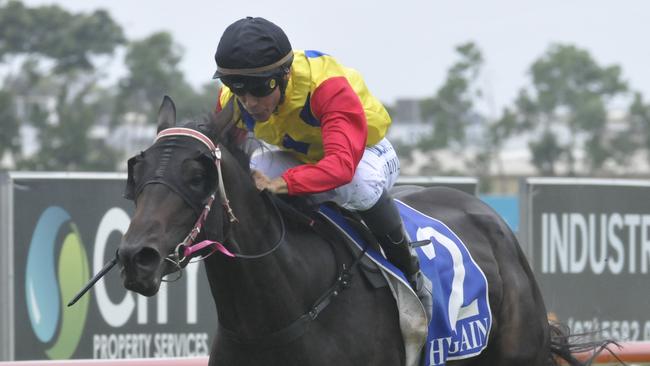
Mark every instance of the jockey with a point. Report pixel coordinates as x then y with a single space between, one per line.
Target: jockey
329 130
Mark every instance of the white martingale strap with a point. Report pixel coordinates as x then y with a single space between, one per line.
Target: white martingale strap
182 131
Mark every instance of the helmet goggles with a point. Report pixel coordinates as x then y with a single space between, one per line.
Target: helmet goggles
256 86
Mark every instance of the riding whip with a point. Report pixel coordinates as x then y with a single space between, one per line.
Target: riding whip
107 267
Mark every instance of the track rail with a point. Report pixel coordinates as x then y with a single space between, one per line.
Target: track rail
637 352
633 352
191 361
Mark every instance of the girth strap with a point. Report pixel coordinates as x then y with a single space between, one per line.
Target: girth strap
300 326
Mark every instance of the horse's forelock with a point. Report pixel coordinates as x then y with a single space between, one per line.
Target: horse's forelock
208 124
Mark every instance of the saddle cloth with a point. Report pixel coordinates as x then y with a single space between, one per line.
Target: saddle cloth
461 319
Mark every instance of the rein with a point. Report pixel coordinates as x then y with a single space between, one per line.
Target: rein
298 327
186 249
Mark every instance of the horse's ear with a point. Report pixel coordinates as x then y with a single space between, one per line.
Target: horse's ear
166 114
225 119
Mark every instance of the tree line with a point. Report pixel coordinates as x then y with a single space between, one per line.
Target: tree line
54 65
564 114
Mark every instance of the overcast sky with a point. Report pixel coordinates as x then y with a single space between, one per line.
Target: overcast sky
404 47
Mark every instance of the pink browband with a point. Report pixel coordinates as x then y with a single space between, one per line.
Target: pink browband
182 131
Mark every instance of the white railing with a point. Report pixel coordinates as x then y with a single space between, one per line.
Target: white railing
629 352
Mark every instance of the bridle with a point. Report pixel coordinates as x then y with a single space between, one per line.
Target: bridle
188 248
185 250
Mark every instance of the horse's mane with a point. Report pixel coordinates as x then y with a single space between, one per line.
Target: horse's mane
208 125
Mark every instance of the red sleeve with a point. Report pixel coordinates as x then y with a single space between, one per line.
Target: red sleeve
344 129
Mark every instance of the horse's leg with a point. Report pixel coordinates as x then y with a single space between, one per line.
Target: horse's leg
360 327
520 332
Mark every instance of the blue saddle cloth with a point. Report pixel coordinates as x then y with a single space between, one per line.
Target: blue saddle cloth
461 319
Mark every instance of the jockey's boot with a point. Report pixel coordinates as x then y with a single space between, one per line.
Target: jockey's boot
384 221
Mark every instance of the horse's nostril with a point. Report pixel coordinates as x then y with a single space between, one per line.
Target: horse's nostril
148 258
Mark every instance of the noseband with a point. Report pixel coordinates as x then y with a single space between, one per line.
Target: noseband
186 249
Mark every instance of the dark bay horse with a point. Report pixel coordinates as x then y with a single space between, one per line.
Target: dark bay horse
275 274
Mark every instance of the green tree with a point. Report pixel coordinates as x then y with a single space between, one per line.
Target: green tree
451 109
546 151
65 133
498 133
58 50
567 108
70 40
153 71
639 115
206 99
9 125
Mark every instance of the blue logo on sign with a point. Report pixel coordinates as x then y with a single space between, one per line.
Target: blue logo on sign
52 277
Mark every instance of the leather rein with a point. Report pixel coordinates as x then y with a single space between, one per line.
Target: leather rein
187 248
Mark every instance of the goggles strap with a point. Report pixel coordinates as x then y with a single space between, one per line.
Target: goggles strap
256 70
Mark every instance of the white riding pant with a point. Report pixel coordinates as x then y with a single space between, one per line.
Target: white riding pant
378 170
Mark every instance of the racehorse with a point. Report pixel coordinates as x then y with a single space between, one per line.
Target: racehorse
276 281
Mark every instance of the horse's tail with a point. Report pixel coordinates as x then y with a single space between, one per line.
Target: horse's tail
564 346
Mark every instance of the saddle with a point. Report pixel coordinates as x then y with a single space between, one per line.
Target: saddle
461 317
305 211
339 225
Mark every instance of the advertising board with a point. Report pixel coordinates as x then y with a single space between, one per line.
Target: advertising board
63 228
589 245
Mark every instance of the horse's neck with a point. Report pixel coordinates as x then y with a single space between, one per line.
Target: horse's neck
269 292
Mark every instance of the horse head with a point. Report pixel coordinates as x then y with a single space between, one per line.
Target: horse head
173 184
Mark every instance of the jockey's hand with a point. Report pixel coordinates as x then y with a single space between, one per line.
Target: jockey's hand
275 185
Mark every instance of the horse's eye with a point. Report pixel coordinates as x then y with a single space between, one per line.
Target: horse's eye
197 181
195 174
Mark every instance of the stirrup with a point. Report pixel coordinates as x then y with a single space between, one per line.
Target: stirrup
420 243
423 289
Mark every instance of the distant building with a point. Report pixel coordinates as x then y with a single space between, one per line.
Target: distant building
134 135
514 159
408 127
28 134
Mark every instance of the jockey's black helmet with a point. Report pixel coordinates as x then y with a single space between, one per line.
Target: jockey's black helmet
253 47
